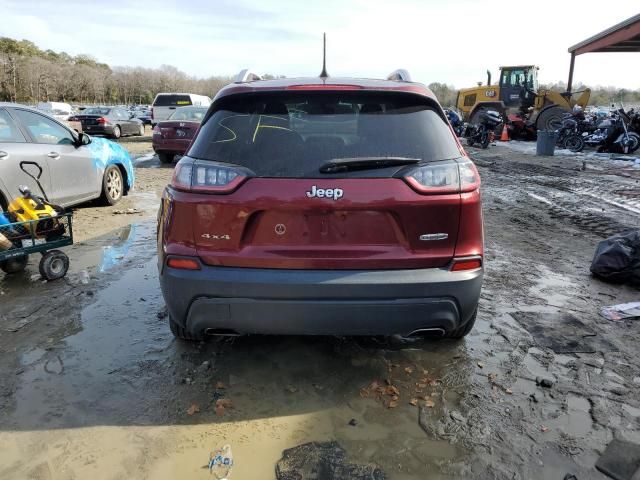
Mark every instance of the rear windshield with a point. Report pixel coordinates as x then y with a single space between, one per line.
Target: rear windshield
193 114
293 135
172 100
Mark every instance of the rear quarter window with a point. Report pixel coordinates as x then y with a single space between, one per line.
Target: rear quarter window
172 100
294 134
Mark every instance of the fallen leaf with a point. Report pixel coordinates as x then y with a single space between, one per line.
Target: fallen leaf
425 372
544 429
408 370
480 364
394 398
433 383
492 377
291 389
364 393
391 390
220 385
429 403
393 404
421 385
222 404
413 401
193 409
433 394
508 390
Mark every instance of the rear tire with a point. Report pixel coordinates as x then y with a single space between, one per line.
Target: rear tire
462 331
166 158
112 185
484 143
54 265
183 334
14 265
574 143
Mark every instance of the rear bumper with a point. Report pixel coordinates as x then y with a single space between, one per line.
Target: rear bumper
320 302
98 129
173 145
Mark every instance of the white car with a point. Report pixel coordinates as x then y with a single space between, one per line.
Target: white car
165 104
58 110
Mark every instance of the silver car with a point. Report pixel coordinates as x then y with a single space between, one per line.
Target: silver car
75 167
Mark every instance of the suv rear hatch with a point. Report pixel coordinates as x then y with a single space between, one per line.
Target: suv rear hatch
322 180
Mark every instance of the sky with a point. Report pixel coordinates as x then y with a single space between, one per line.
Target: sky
449 41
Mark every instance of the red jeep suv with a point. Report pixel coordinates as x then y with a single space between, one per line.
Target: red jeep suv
316 206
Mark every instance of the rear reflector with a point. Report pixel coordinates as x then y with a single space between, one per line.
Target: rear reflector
183 263
466 264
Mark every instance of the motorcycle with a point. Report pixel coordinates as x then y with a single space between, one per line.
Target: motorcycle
569 135
455 119
613 135
483 133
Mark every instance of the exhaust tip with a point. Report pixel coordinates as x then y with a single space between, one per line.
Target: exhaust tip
428 333
221 332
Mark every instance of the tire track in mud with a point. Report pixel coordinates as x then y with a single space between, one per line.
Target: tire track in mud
600 206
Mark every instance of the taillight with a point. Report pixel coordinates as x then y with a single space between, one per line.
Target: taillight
183 263
102 120
156 130
207 177
444 177
460 264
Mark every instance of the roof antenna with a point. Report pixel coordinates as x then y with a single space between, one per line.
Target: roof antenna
324 73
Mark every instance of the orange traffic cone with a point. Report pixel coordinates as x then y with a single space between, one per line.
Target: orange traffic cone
505 134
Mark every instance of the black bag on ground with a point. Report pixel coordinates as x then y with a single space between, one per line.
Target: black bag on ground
617 259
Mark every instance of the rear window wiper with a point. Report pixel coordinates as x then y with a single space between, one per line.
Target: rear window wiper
365 163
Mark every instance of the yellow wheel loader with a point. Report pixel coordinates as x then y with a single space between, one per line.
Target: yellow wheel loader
517 98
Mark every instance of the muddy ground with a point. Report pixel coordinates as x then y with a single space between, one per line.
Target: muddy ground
93 385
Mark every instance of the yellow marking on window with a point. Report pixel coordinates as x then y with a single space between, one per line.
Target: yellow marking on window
228 129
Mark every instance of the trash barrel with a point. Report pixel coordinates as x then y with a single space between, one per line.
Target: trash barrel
546 143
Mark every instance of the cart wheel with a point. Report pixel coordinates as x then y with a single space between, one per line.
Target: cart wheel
14 265
54 265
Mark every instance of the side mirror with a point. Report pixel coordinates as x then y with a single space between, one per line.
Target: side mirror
83 139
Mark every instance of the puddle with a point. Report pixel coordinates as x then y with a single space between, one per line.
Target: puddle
551 286
576 419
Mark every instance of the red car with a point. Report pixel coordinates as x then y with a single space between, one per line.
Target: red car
322 206
173 136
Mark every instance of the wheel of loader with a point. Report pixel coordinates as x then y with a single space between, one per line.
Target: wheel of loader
54 265
477 115
550 119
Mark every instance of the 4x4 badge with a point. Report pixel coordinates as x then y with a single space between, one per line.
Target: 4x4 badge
334 193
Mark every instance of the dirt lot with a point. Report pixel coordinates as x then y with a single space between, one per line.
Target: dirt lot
92 384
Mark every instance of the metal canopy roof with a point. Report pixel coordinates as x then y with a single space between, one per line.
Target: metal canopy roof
623 37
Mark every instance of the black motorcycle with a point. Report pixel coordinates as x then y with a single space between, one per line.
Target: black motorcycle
569 134
483 133
613 135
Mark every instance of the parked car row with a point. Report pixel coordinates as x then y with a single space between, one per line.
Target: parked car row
113 122
75 167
